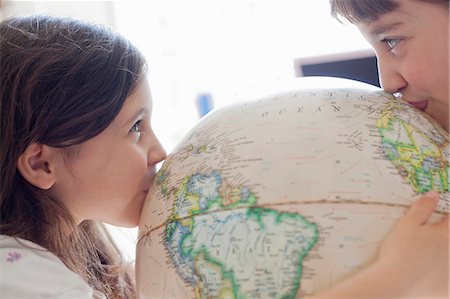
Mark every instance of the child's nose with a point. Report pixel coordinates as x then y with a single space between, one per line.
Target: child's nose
156 153
390 78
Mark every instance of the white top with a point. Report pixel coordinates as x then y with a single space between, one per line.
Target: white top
29 271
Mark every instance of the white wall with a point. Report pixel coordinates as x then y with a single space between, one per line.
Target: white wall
95 11
224 47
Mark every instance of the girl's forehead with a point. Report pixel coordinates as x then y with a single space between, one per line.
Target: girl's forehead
137 104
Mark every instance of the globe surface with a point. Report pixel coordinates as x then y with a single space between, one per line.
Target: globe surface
284 194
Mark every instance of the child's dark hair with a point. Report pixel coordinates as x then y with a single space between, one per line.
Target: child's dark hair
63 82
357 11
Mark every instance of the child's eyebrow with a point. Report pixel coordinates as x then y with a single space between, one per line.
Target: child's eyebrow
381 30
139 113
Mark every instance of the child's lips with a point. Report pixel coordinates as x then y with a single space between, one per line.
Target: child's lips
422 105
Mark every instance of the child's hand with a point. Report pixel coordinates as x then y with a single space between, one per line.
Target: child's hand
418 251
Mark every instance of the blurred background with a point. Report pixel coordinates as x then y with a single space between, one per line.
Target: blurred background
206 54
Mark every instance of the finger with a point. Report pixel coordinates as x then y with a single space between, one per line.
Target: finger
421 210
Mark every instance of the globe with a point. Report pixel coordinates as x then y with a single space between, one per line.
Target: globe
285 193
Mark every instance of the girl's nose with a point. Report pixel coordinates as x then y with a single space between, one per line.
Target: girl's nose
156 153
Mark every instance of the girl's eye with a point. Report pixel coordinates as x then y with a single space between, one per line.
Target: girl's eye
391 43
136 128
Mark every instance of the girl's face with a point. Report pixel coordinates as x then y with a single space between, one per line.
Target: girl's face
412 47
109 176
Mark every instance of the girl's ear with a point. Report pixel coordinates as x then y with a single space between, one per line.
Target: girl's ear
36 165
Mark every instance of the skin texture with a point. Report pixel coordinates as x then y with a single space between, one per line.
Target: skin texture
412 47
109 176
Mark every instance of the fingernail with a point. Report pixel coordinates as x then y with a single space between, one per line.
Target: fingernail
432 194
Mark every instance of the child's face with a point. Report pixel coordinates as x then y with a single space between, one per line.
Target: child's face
109 176
412 46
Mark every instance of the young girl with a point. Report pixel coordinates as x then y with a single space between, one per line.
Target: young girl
77 150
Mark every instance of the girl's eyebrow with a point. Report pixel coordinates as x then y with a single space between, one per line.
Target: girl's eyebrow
381 30
138 114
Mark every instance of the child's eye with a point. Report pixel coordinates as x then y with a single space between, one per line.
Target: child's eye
391 42
136 128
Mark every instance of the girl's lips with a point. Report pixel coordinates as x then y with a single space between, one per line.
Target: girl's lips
422 105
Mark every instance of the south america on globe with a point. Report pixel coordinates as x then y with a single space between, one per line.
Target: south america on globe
284 194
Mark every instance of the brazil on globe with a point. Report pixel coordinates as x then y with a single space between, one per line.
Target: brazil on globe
283 194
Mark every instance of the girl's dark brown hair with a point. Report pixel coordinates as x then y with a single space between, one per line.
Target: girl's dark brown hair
356 11
62 82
